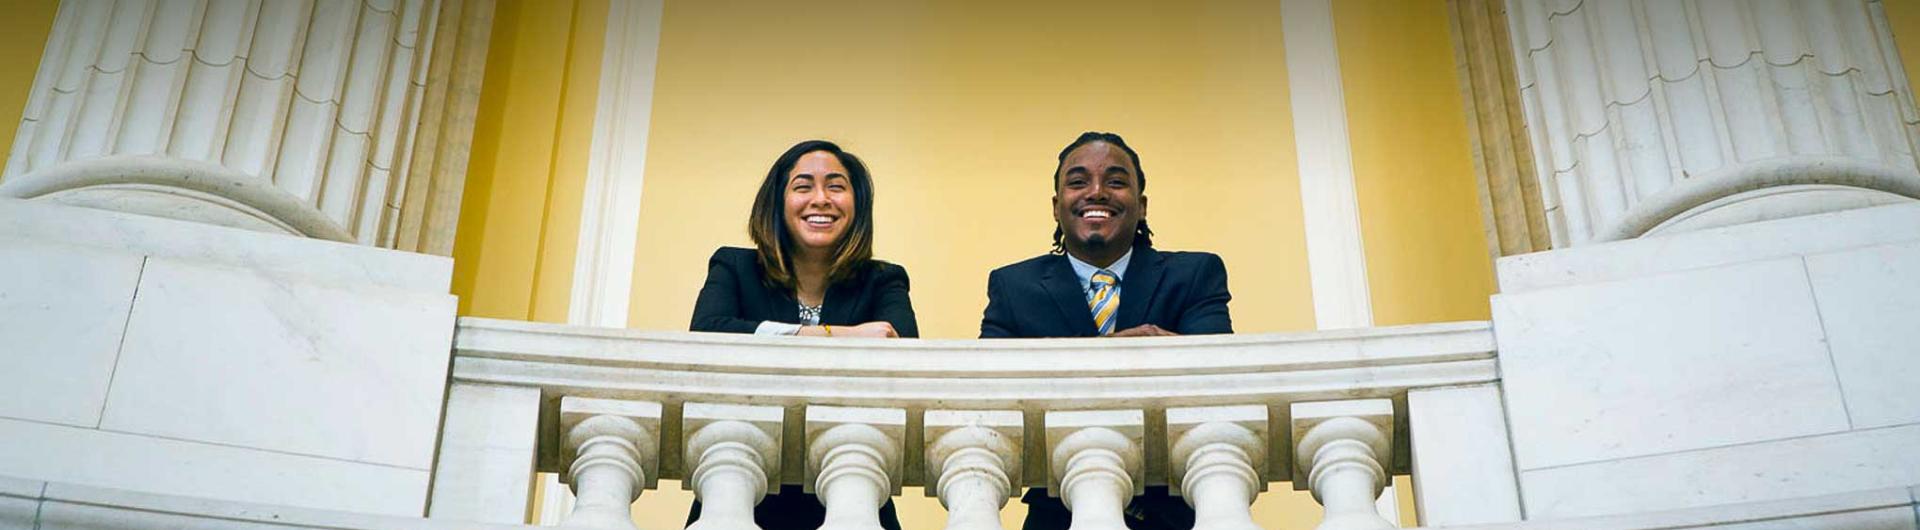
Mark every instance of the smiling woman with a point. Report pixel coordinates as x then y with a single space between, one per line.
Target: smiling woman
812 268
812 273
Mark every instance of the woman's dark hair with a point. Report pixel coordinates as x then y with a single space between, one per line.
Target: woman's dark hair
767 223
1142 234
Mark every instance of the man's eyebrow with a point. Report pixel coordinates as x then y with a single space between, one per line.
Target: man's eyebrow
1079 169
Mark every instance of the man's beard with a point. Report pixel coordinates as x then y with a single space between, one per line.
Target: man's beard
1096 242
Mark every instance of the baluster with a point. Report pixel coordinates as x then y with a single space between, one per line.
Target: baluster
733 452
973 464
1216 456
853 462
615 455
1342 453
1096 464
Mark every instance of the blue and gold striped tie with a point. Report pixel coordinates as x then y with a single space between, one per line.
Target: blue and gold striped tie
1104 301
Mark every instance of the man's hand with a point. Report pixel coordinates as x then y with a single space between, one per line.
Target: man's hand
1144 330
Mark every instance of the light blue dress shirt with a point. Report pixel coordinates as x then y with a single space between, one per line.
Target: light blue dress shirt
1085 271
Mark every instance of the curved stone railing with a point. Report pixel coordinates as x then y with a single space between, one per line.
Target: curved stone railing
1217 418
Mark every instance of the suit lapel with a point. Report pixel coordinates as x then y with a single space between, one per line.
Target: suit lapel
1064 287
1138 287
835 307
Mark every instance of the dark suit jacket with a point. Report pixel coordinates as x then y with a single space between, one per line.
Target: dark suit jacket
737 298
1182 292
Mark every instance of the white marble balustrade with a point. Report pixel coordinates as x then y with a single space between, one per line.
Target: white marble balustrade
975 422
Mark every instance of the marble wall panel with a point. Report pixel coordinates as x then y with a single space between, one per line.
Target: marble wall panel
1870 306
233 356
1775 470
64 310
150 464
1665 363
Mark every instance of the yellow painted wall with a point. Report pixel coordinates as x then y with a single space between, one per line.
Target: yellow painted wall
520 217
959 108
1903 17
1412 163
23 35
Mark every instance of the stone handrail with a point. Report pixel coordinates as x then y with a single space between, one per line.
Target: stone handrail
1095 420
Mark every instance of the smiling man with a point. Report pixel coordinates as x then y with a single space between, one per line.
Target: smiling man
1105 279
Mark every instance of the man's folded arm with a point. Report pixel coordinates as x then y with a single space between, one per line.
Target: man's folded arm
1206 313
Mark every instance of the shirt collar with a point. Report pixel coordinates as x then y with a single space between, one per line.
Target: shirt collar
1085 270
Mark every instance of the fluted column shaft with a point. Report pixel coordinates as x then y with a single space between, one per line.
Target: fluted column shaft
1643 110
317 97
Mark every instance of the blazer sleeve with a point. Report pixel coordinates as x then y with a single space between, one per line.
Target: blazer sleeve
997 322
893 304
718 308
1206 313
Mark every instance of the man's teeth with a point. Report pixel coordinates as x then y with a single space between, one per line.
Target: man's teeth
1096 214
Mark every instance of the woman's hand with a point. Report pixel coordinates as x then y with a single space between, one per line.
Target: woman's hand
870 329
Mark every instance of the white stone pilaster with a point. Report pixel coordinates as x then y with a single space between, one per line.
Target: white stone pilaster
1462 457
487 445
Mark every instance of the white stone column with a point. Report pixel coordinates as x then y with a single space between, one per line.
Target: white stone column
1342 451
1215 459
733 454
854 462
293 116
1462 459
1659 115
973 464
1096 464
614 448
487 444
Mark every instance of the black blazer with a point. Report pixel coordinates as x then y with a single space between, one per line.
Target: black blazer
1182 292
737 298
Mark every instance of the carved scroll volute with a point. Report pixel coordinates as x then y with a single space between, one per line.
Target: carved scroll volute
1096 464
973 464
854 462
1344 448
732 453
1217 461
614 450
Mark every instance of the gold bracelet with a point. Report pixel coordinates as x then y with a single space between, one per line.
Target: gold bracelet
828 328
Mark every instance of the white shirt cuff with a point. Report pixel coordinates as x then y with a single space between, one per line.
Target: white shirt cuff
769 327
